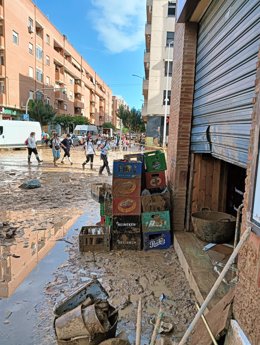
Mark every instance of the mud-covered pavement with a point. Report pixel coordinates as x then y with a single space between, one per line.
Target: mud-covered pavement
41 218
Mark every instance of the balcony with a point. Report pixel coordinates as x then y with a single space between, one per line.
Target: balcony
148 29
145 87
61 96
2 71
146 57
1 12
59 77
77 88
2 42
78 104
149 8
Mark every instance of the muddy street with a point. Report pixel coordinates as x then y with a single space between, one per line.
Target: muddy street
40 262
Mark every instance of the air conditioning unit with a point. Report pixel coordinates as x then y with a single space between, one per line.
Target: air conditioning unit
30 29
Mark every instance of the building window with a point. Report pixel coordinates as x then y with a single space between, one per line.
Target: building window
15 37
169 38
47 80
38 95
71 81
39 75
171 8
170 68
168 97
30 72
31 94
48 100
47 60
48 40
2 87
2 60
65 107
71 95
31 48
39 52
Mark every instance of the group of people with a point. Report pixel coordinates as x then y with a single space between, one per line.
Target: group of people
56 144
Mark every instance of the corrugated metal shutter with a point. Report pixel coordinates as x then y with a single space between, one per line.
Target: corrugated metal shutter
228 43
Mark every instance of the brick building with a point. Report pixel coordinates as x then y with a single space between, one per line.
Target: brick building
214 141
34 55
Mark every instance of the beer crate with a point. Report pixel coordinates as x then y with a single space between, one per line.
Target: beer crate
126 206
108 220
135 156
126 224
102 209
155 161
156 221
108 207
127 169
156 202
156 240
99 190
155 180
127 241
126 187
94 238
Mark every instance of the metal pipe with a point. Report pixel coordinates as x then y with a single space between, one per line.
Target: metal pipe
207 326
237 224
215 286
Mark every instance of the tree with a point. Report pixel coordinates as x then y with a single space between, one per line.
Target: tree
132 119
109 125
80 120
42 112
64 121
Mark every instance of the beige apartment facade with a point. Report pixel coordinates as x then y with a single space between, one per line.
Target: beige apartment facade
159 42
117 101
34 55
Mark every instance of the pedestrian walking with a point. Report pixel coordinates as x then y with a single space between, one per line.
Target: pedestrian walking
55 146
66 145
32 148
90 151
104 151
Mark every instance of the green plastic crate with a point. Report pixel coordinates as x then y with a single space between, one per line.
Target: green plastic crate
108 220
156 221
102 209
155 161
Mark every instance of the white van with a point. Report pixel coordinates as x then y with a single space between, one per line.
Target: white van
14 133
81 130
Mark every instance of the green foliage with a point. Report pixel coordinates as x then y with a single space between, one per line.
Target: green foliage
42 112
66 121
80 120
131 119
109 125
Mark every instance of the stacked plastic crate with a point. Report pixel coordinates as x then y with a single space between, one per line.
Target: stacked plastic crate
126 189
156 224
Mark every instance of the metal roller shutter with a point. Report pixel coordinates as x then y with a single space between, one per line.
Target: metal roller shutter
228 44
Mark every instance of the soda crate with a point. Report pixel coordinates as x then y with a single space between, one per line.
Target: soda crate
94 238
126 224
135 156
155 180
126 206
108 220
99 190
127 169
155 161
102 220
128 241
126 187
156 202
102 209
156 221
157 240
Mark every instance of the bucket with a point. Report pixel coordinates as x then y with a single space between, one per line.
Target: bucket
213 227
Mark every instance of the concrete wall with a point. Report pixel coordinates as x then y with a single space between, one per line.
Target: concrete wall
247 297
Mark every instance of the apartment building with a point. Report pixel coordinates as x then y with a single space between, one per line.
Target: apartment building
34 55
117 102
159 42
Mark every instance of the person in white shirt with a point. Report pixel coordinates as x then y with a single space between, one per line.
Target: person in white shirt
32 148
90 151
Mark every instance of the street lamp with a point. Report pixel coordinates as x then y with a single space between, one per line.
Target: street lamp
166 95
137 76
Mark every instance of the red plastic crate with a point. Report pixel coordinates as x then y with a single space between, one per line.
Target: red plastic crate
155 180
127 206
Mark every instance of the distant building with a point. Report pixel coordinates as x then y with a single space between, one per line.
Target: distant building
34 55
117 101
159 42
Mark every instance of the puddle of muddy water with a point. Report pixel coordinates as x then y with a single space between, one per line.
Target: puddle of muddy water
18 314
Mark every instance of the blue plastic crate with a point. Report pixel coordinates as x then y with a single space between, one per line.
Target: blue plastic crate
157 240
127 169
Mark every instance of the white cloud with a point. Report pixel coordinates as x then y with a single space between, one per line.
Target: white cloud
120 24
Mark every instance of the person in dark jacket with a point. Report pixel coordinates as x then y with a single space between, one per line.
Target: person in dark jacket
66 145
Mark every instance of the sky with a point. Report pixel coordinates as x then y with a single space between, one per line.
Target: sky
109 34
